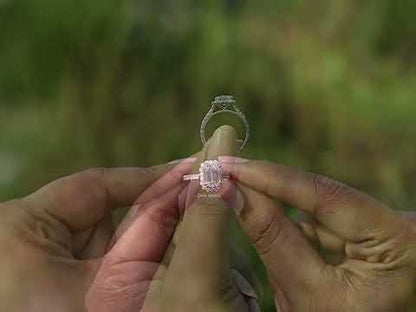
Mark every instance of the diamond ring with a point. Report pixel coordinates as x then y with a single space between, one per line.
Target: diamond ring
210 176
225 104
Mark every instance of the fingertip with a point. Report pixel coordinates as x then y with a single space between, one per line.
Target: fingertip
232 165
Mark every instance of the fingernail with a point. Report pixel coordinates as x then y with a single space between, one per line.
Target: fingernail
182 160
232 160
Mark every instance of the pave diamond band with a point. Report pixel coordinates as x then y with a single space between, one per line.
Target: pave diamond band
190 177
210 176
225 104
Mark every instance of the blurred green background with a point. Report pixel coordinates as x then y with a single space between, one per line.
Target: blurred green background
328 85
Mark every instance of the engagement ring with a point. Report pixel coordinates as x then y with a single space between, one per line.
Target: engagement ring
210 176
225 104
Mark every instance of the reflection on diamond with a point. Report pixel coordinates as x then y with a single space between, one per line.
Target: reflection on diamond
223 101
211 176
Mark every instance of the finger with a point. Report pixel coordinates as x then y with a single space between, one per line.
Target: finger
169 180
161 186
129 268
120 287
294 267
200 263
347 212
149 235
83 199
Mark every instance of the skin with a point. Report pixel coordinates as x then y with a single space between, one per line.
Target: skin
374 246
56 237
189 271
61 252
200 261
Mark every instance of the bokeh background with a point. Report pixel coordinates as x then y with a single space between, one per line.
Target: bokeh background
328 86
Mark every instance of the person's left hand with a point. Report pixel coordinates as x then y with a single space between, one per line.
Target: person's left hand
53 240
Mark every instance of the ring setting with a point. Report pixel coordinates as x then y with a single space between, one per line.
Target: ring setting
225 104
210 176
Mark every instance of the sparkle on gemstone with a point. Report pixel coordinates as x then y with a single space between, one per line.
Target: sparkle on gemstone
223 101
211 176
224 105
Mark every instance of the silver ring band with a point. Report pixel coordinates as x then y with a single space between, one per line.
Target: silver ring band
225 104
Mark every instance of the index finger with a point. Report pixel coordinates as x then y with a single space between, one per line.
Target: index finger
83 199
346 211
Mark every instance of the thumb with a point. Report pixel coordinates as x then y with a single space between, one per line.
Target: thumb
296 271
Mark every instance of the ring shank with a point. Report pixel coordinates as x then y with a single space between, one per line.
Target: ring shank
237 113
190 177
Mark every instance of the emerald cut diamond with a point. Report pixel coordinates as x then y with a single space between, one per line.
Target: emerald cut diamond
210 174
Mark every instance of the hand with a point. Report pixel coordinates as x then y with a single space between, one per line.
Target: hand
52 241
377 245
146 270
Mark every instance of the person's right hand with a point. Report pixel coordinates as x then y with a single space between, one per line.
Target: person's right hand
377 245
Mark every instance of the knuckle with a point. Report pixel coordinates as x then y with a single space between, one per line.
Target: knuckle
94 173
91 177
115 280
114 285
326 188
163 219
96 181
268 235
41 228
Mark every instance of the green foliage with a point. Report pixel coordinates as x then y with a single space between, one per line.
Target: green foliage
327 85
